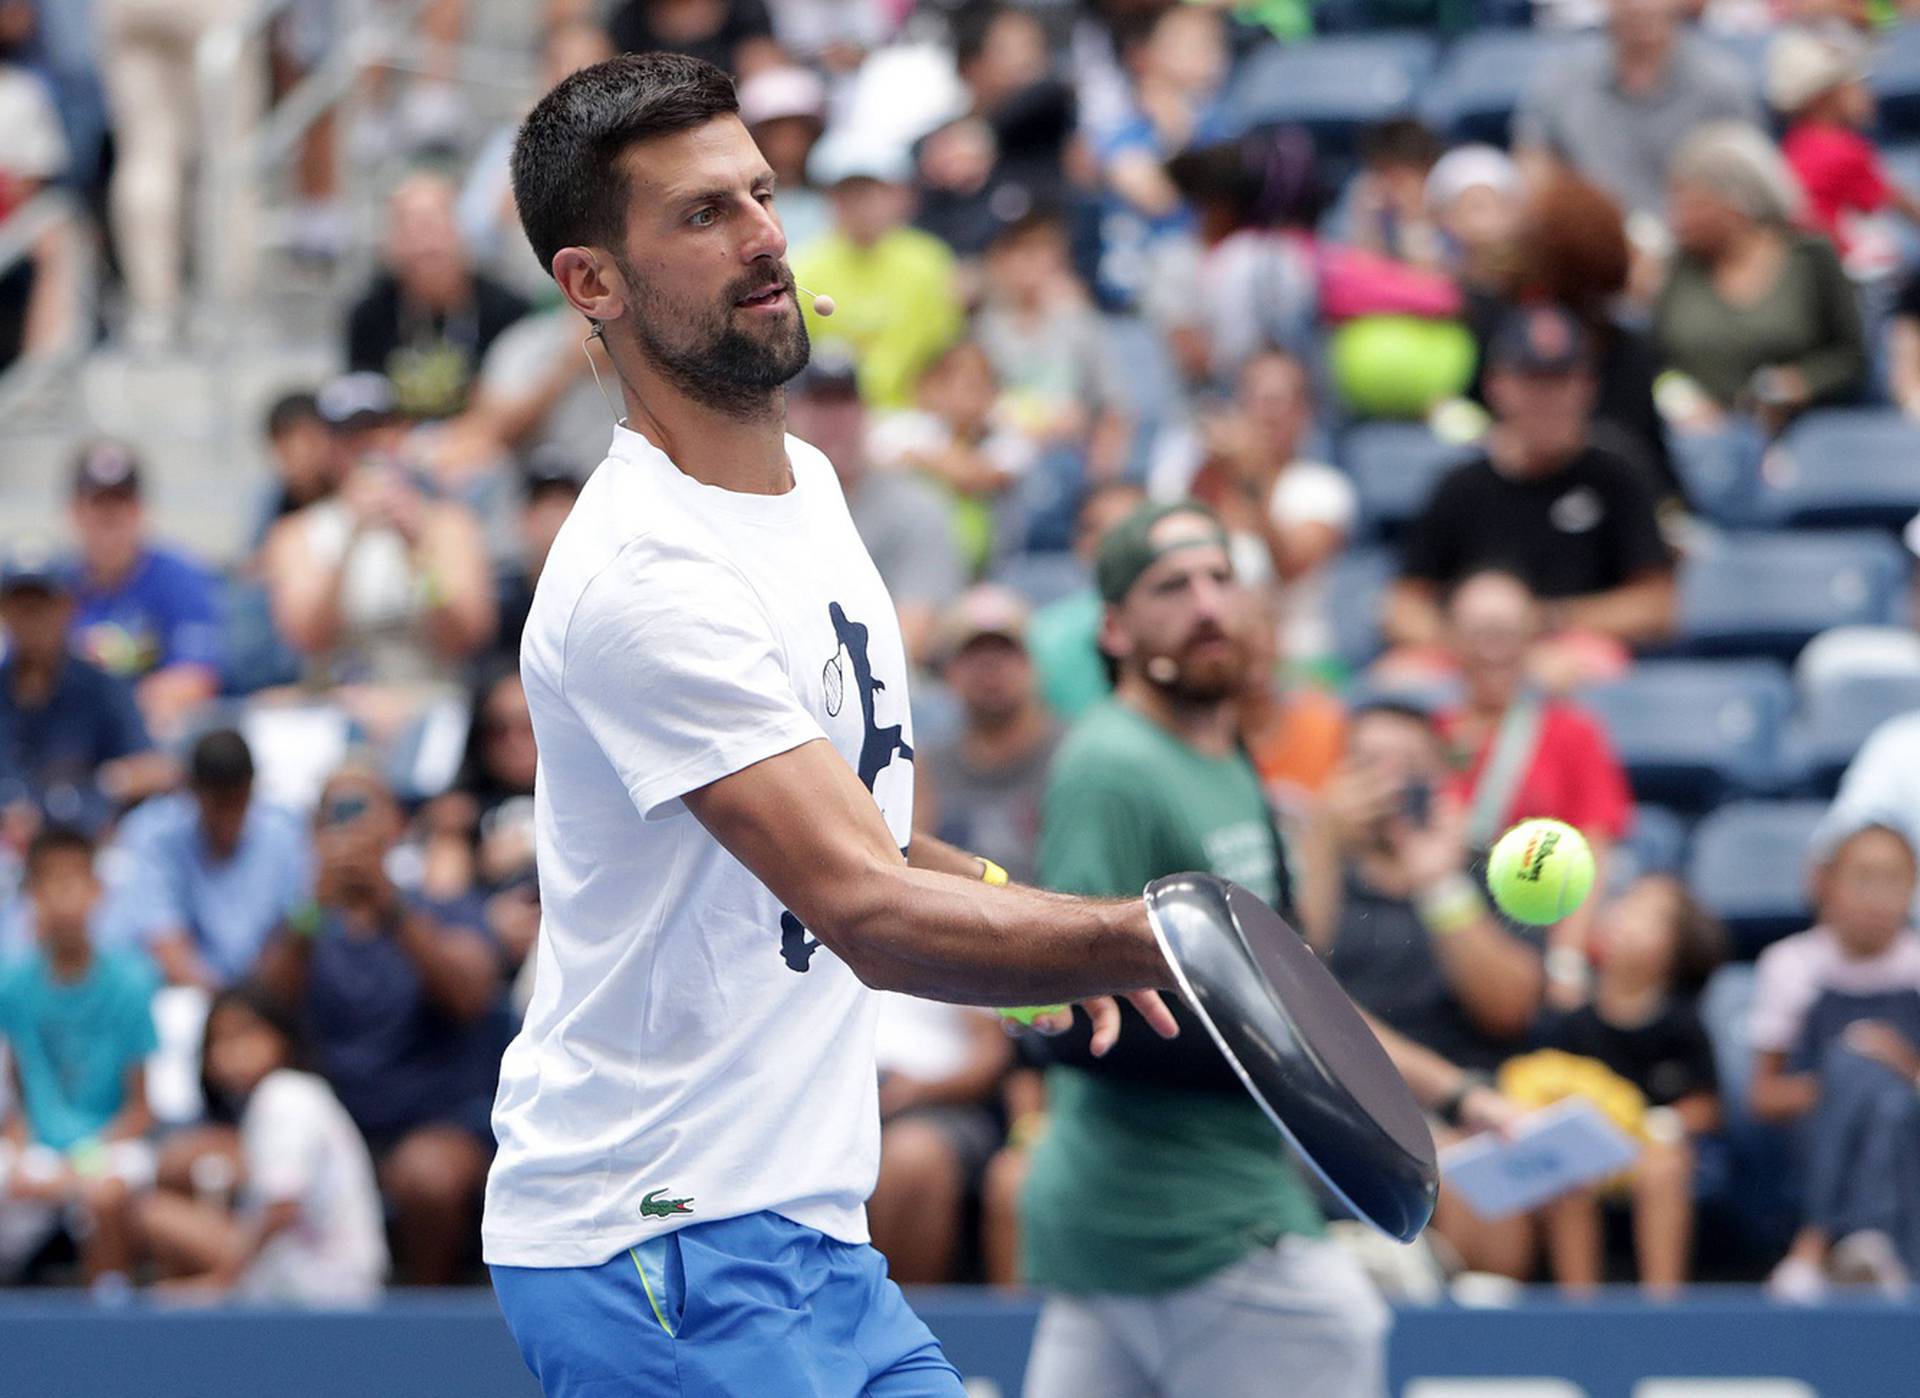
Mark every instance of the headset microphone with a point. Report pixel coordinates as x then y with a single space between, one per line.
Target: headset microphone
823 306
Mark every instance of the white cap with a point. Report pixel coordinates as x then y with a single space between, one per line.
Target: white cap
845 154
774 93
1801 65
1469 167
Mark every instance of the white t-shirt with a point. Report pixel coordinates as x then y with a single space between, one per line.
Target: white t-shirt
690 1053
1795 971
300 1144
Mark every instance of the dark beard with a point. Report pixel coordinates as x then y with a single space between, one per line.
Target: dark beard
708 358
1196 684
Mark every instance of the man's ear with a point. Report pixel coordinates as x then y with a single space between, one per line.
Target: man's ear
1112 637
591 282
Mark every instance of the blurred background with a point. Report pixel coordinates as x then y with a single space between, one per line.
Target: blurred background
1554 366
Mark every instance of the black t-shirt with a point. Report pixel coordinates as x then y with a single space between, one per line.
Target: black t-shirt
431 358
633 31
1667 1058
1383 957
1588 527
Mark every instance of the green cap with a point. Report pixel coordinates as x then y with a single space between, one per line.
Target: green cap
1127 551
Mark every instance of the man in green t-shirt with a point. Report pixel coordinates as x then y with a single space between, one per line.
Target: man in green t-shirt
1181 1252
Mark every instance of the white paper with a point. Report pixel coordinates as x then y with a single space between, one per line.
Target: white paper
1554 1150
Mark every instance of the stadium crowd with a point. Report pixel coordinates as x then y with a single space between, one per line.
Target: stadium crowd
1503 423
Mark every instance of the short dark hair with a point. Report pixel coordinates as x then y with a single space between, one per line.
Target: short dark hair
1699 939
1399 141
970 29
289 410
220 761
567 179
56 839
270 1010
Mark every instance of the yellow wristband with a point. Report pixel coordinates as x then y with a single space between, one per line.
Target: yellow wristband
990 872
1450 906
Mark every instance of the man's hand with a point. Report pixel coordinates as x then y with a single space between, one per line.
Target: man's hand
1104 1011
1355 804
1432 853
1484 1109
1880 1041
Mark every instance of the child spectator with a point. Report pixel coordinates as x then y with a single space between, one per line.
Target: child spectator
1835 1025
306 1227
1655 947
80 1025
1817 82
959 436
1387 210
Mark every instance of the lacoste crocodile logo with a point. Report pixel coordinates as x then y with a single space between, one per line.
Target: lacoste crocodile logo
655 1207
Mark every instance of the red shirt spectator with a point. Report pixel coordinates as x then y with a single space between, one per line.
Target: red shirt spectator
1841 173
1573 774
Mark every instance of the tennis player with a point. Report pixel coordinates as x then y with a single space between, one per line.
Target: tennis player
688 1122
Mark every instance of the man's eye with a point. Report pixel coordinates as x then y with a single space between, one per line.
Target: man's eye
704 218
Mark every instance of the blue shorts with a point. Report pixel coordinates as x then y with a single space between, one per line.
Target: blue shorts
754 1305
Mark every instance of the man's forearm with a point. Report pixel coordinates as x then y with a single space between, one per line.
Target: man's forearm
939 857
957 939
1635 613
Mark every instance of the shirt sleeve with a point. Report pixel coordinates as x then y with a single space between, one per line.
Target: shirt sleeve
1782 993
672 664
193 621
282 1142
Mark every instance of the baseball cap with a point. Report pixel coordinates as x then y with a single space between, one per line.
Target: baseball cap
1471 167
354 401
1538 340
106 467
987 609
32 564
774 93
1802 65
1127 550
843 155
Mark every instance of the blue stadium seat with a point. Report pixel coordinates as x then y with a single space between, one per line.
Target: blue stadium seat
1842 466
1356 592
1691 733
1836 718
1769 594
1041 577
1749 864
1395 466
1720 471
1483 78
1896 82
1657 844
1333 86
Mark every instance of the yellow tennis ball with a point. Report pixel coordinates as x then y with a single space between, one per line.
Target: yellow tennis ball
1027 1014
1540 871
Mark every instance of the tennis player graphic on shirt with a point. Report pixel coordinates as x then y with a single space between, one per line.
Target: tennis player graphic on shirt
688 1128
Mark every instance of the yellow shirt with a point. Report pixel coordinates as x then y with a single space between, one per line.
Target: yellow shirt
898 307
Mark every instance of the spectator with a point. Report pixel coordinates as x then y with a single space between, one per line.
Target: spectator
306 460
73 747
1064 638
785 111
990 166
1655 947
940 1072
1473 195
427 321
1046 344
1617 114
901 517
479 835
1293 730
1818 85
400 1001
1390 906
1574 521
1288 516
1386 206
549 486
488 220
216 871
148 60
382 588
1835 1022
960 435
1571 250
536 393
1881 786
1756 313
981 791
144 614
38 295
1177 62
736 35
1518 753
899 306
78 1022
307 1227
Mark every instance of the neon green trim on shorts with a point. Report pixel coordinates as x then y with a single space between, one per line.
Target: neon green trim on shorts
647 1286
